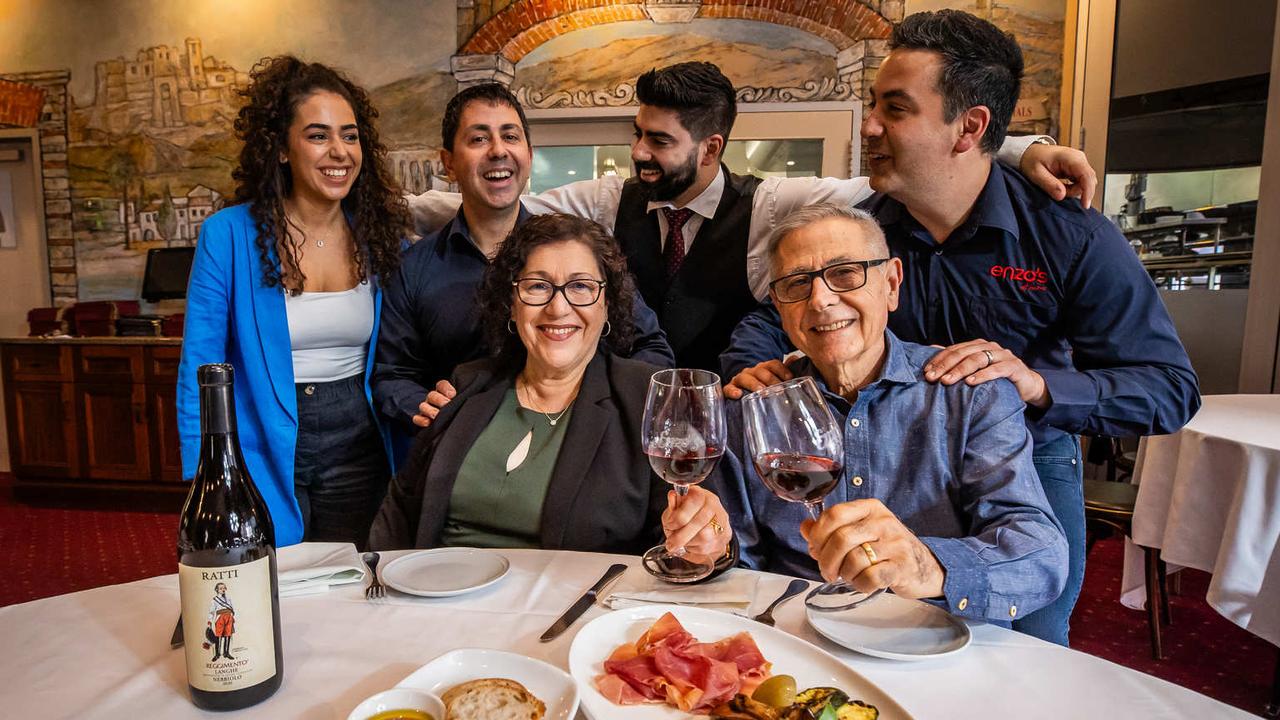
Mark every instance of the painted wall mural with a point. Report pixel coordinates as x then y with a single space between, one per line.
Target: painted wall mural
149 94
598 66
151 156
1039 26
136 130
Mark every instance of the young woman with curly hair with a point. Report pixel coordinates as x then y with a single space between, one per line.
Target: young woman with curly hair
286 286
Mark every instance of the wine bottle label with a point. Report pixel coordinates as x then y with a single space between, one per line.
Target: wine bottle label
227 625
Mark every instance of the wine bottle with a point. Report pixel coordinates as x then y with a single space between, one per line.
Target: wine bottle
227 566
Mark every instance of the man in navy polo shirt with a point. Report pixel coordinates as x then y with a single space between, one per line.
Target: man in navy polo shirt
1013 283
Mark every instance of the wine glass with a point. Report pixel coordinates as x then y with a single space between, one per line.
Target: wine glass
798 451
684 436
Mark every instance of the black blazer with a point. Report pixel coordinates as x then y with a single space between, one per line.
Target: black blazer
603 496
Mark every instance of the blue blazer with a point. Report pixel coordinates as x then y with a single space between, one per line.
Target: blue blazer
233 317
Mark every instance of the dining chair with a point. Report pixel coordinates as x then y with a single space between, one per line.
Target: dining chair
1108 508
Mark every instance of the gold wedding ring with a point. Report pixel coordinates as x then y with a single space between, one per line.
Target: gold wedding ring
990 358
870 553
716 526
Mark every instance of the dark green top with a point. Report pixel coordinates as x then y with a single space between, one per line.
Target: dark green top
491 507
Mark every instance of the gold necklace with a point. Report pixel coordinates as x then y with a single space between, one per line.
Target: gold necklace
529 401
319 241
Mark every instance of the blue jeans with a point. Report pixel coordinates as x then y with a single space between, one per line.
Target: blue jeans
1062 475
340 470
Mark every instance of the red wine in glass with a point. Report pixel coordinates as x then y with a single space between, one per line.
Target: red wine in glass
797 449
683 433
797 477
683 467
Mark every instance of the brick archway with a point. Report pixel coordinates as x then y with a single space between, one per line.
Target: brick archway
512 32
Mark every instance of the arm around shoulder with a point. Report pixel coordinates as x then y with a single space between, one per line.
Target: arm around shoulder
432 209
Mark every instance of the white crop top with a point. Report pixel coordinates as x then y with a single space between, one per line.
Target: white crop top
330 333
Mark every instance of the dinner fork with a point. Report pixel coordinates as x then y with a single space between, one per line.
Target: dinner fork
375 589
795 587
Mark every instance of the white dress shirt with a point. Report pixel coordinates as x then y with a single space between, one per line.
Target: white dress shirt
775 198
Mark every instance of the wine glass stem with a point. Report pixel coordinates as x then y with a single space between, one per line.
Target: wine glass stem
815 509
681 491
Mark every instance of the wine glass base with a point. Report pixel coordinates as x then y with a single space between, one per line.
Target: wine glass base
835 597
665 566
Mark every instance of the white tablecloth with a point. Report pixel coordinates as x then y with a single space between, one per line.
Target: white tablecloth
104 653
1209 498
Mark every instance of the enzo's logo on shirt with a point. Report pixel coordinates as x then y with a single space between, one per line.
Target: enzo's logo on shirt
1031 280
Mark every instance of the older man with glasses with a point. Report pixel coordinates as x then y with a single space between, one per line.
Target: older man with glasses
939 498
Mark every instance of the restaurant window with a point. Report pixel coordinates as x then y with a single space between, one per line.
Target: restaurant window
556 166
813 139
1192 229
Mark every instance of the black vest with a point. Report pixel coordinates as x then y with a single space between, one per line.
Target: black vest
711 293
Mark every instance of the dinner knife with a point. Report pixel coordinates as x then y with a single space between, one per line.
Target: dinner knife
583 603
176 640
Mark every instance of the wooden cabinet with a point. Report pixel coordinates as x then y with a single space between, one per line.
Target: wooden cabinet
43 436
39 405
98 413
111 402
162 413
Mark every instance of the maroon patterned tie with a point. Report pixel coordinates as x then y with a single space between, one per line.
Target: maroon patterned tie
673 252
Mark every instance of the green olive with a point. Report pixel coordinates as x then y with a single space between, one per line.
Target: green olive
778 691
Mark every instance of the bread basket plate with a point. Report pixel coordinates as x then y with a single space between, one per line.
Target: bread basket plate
810 665
550 684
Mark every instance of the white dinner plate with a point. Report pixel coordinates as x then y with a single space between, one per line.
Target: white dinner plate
810 665
550 684
895 628
445 571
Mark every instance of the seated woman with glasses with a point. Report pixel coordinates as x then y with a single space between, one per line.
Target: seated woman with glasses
541 446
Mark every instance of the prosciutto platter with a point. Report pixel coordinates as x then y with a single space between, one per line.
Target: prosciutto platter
668 664
605 639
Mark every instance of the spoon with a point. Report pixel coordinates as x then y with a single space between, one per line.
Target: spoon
796 587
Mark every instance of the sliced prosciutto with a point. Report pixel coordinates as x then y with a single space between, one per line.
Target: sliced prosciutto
669 665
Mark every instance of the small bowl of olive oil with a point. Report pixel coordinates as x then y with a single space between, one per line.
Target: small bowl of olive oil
399 704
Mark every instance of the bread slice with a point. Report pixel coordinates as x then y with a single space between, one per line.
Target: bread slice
492 699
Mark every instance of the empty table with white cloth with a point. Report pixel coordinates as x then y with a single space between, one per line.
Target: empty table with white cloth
1209 498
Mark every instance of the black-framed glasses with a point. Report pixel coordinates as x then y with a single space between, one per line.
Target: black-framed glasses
839 277
579 293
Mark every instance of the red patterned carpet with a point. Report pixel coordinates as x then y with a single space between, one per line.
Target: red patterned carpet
50 551
55 550
1203 651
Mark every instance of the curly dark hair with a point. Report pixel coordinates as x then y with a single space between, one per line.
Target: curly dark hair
378 211
496 295
981 65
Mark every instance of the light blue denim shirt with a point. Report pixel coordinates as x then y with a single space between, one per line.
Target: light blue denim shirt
952 463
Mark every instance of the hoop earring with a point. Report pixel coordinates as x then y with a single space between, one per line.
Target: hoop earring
511 326
608 328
